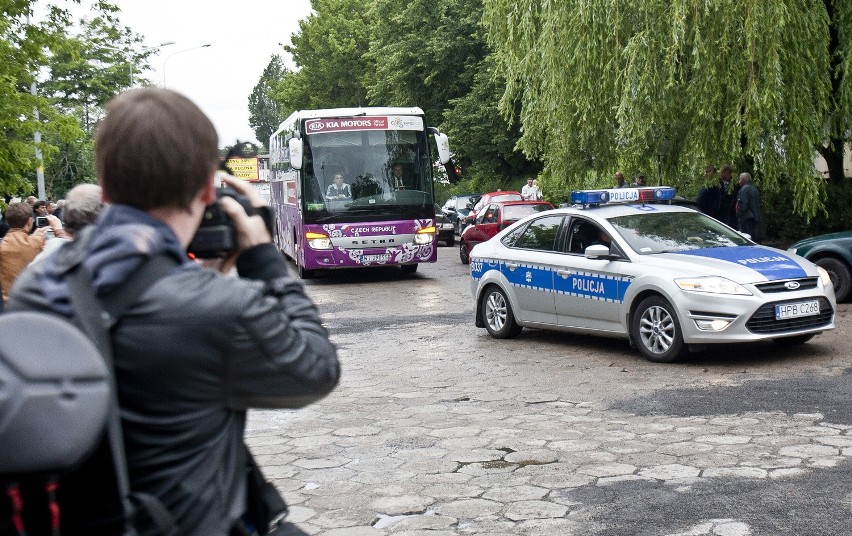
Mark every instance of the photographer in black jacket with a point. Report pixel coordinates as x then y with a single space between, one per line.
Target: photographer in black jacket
198 348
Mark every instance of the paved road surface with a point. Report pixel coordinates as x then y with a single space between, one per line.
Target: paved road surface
438 430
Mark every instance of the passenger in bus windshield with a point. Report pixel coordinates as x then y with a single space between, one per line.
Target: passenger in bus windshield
398 179
339 189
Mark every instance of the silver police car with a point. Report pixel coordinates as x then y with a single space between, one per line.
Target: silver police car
624 263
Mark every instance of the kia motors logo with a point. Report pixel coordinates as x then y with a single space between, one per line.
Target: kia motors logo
791 285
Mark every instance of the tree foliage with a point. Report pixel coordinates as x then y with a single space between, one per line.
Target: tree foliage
74 76
25 51
619 84
265 111
329 51
94 66
426 53
395 53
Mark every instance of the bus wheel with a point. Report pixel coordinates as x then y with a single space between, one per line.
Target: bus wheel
408 268
305 273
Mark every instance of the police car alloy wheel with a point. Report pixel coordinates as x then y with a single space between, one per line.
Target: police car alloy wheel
656 330
498 316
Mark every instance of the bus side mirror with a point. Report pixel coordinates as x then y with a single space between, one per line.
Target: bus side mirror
443 144
295 146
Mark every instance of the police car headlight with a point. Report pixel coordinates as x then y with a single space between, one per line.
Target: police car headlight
824 278
712 285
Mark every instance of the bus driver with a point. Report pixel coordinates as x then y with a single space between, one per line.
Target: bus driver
398 181
339 189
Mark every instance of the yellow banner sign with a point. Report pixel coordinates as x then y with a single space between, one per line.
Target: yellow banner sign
245 168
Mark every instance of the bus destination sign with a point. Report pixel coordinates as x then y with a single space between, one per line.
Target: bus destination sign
343 124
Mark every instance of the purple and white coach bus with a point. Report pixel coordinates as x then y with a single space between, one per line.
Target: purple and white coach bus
381 213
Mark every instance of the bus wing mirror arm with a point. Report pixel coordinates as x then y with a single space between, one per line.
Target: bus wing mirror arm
443 144
295 147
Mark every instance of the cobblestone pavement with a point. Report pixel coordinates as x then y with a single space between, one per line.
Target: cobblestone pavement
438 430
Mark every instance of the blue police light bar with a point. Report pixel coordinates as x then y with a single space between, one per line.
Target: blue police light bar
623 195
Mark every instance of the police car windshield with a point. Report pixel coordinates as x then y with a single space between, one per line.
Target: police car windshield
661 232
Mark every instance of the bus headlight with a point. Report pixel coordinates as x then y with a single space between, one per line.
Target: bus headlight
318 240
425 236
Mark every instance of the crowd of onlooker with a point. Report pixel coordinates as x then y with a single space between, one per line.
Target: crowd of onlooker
33 228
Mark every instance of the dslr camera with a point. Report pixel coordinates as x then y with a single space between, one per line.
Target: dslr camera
217 236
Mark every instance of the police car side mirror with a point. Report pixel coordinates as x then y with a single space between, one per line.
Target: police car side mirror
597 252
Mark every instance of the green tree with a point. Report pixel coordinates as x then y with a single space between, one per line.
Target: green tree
85 73
481 138
25 47
425 53
434 55
328 50
619 84
94 66
82 74
265 110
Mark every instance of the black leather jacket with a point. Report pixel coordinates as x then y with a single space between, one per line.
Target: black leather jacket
192 355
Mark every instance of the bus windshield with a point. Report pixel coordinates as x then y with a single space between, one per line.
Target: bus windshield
350 172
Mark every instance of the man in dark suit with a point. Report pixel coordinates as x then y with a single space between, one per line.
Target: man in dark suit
398 180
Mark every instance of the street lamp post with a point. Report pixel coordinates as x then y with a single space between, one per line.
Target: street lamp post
130 62
175 53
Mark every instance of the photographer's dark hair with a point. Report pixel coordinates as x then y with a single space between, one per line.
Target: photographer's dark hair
18 214
154 149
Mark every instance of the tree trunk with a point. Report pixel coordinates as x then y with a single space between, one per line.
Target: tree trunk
833 155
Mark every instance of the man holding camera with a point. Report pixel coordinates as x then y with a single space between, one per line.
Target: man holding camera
197 348
19 246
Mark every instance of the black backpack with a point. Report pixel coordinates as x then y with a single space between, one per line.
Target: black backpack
63 467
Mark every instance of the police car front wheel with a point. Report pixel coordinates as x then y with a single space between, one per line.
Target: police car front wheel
656 331
497 314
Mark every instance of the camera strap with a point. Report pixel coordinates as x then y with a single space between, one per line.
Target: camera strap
97 317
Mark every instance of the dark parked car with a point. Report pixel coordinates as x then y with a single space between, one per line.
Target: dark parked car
445 229
493 218
833 253
457 207
484 199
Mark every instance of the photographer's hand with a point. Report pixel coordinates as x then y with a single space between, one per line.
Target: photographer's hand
56 225
251 230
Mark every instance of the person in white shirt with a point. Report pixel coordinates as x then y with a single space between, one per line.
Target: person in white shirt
537 195
529 190
339 189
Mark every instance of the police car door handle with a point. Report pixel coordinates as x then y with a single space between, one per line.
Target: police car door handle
511 266
563 273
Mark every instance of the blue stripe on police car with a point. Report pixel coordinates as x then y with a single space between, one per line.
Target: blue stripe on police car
773 265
